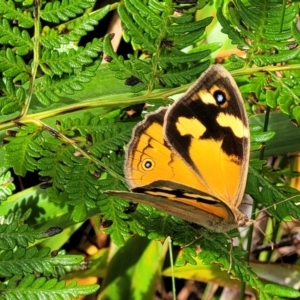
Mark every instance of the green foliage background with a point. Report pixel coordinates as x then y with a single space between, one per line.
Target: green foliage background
63 115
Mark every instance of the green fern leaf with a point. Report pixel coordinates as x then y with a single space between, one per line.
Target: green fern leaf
66 62
51 39
188 255
22 150
104 135
31 287
113 209
179 58
110 137
118 62
23 261
10 12
137 36
275 91
153 29
281 291
55 163
47 89
14 233
12 65
80 26
243 22
233 35
63 11
284 56
16 38
184 76
137 219
268 195
6 185
74 174
13 97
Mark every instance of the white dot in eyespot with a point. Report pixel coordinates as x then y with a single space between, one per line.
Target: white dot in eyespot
219 97
148 164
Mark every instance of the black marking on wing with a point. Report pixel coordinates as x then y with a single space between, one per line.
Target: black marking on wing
178 190
191 106
160 192
155 117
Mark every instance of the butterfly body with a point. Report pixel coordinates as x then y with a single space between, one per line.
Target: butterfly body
191 159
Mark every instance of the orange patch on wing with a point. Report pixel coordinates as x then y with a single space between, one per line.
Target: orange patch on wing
167 165
218 171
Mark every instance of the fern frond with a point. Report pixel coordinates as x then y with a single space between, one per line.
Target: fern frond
48 88
9 11
6 185
264 29
275 91
13 97
54 38
177 59
113 209
22 261
18 263
22 150
213 250
100 136
268 195
12 65
155 31
68 66
109 137
284 93
29 286
14 233
80 26
17 259
259 137
82 187
55 12
70 60
180 77
66 170
15 37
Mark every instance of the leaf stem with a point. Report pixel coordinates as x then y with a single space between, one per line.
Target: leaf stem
36 55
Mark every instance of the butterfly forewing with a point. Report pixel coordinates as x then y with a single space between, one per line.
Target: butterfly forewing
208 129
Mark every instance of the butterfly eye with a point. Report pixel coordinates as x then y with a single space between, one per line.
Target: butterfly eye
220 97
148 164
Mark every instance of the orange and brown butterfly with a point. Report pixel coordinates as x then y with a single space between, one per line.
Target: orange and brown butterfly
191 159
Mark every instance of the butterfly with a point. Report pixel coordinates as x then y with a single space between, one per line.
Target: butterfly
191 159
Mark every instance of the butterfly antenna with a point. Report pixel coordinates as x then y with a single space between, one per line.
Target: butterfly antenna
272 245
280 202
263 233
254 222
